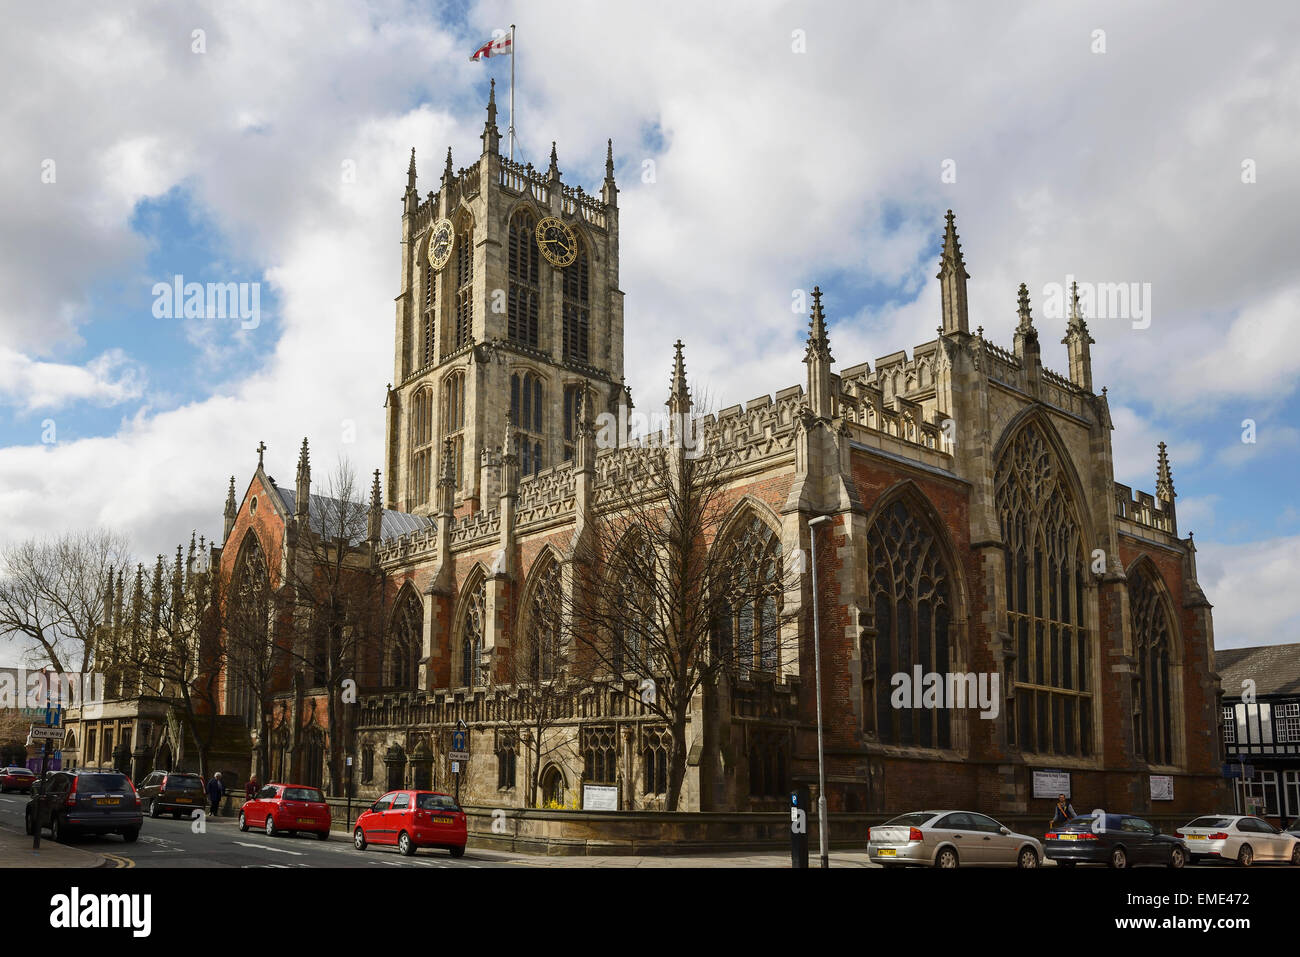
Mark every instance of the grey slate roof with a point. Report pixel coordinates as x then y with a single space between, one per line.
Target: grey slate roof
392 524
1275 669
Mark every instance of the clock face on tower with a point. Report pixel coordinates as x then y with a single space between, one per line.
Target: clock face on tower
557 242
441 238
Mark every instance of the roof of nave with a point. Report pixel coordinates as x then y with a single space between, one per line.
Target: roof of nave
392 524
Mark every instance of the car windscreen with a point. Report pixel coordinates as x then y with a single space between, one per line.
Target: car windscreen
1215 822
435 802
304 794
915 819
178 781
102 782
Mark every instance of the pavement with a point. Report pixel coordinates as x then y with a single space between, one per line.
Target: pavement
16 851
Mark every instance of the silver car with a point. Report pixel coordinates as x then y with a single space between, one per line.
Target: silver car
1239 837
950 839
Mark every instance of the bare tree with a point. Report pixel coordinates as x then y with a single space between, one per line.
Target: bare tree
660 598
338 599
249 612
53 596
180 652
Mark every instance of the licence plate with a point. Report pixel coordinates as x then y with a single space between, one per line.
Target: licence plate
306 820
443 820
185 800
107 801
1196 837
886 852
1067 837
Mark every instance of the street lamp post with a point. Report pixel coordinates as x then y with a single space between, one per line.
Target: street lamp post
822 826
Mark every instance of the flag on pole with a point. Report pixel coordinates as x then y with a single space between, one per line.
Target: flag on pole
501 46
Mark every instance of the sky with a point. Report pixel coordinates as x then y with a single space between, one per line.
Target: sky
760 148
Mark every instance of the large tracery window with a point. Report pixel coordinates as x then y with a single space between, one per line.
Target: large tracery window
577 307
544 624
248 628
1045 600
1151 645
524 269
428 351
912 600
471 635
399 667
632 595
453 420
749 631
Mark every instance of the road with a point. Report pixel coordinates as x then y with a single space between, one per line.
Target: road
166 842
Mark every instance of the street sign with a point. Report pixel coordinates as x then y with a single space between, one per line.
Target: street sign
458 756
1232 770
42 733
458 741
455 767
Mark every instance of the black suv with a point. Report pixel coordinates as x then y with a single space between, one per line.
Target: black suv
86 802
177 791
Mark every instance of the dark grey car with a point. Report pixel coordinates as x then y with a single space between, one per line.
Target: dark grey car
86 802
175 791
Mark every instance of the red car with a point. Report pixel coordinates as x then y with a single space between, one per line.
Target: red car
16 779
412 819
287 807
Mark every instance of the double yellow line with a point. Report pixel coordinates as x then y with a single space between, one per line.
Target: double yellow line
119 861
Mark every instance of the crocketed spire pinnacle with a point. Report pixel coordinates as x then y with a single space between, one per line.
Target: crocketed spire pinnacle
679 397
1164 477
952 278
819 344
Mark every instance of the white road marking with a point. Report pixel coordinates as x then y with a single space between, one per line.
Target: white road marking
278 850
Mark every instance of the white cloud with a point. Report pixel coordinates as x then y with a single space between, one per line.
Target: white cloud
1252 587
108 379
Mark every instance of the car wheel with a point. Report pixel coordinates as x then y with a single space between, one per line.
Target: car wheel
359 839
946 858
1028 858
1177 858
27 823
153 808
1295 855
457 851
131 834
405 846
243 824
176 815
270 826
322 835
1118 859
1245 857
58 830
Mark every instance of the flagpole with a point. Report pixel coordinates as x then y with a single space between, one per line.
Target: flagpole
512 92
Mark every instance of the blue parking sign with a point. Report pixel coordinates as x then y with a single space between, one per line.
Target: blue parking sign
458 740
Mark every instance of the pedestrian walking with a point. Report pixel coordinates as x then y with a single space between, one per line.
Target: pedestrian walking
216 790
1063 812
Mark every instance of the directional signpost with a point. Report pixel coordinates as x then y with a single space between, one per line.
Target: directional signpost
459 753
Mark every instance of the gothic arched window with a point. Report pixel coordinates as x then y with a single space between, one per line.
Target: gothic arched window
400 658
1152 648
1043 549
248 630
471 635
428 351
464 285
421 446
453 419
544 621
911 596
577 307
526 412
749 632
524 272
634 569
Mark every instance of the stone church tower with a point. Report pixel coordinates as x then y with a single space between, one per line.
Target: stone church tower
493 323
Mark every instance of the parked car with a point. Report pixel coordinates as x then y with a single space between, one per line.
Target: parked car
16 779
287 807
1239 837
411 820
176 791
950 839
86 802
1120 840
